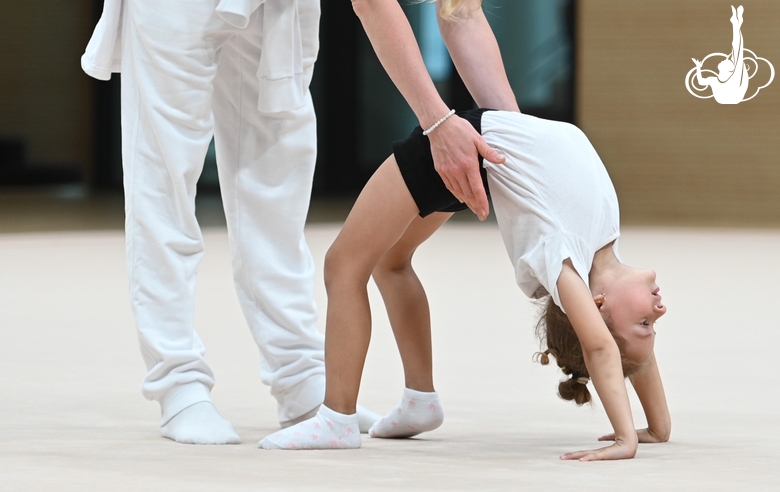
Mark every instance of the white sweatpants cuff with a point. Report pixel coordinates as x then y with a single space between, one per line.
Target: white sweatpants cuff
180 397
301 398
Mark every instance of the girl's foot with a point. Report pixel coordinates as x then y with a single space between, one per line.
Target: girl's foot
366 418
418 412
326 430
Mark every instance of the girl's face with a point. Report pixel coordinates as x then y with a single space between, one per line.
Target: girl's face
633 305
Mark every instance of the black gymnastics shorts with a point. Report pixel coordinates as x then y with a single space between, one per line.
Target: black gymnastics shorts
415 161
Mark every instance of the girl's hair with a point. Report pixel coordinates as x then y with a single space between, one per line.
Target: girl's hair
556 332
450 8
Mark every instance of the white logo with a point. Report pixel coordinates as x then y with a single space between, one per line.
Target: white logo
730 84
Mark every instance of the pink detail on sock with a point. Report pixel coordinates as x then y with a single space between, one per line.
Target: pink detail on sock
394 424
334 443
317 425
293 446
350 431
314 437
330 424
400 410
412 403
433 407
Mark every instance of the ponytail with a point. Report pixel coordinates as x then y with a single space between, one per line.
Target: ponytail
573 388
554 330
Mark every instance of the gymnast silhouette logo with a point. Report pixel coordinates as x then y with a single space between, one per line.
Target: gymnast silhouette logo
730 84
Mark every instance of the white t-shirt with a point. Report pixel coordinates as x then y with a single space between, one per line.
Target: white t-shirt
552 197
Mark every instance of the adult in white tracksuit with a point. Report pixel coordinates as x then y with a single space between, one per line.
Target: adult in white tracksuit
238 70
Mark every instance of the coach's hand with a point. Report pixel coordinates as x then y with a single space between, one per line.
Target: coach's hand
456 148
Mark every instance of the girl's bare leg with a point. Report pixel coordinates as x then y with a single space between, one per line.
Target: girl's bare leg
407 306
381 215
406 302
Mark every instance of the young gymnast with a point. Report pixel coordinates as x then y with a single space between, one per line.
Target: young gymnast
558 215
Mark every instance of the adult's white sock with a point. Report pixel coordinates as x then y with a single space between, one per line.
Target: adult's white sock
200 423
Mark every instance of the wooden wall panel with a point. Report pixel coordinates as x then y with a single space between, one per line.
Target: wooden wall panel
674 158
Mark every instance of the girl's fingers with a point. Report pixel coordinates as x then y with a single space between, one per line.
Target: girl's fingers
574 456
583 456
616 451
608 437
595 457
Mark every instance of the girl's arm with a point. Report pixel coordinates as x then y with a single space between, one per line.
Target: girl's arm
477 58
602 358
650 391
455 144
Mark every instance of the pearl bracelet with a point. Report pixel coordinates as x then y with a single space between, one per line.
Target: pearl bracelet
435 125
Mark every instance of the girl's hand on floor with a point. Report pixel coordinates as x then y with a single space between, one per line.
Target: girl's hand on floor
618 451
644 435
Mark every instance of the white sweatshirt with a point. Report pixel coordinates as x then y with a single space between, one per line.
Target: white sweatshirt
280 70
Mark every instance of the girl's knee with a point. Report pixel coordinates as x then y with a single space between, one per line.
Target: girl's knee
331 267
390 266
341 265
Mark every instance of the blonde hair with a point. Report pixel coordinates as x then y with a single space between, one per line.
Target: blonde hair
450 8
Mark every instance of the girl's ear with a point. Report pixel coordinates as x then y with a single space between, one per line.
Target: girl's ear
599 300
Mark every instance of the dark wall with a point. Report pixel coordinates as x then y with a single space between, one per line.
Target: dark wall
45 99
55 116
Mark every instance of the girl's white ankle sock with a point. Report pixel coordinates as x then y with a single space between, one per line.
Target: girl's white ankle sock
418 412
326 430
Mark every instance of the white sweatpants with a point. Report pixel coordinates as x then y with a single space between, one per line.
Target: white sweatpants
186 75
